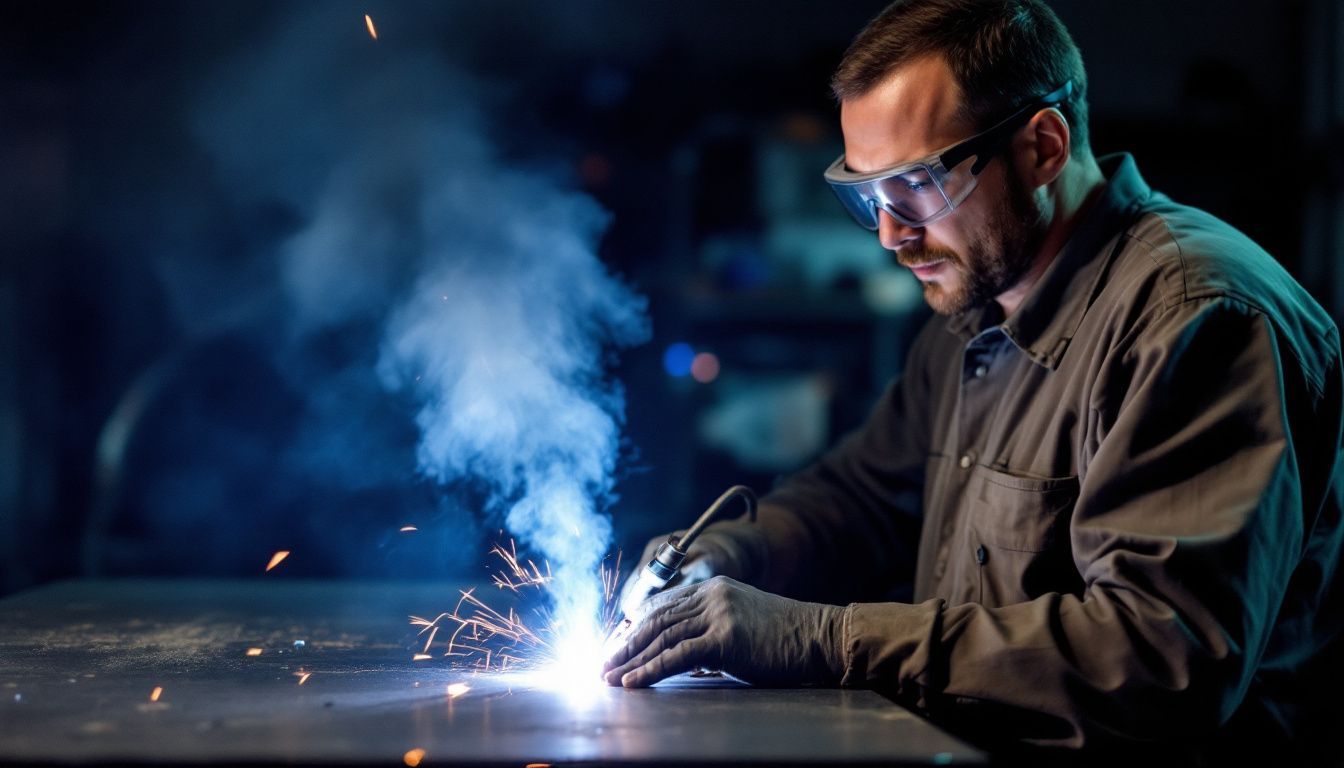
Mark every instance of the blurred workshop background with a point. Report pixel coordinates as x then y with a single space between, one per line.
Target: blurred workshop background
163 412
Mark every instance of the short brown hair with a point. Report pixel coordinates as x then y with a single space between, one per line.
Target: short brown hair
1004 53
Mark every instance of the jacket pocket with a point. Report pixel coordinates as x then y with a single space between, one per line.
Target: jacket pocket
1018 536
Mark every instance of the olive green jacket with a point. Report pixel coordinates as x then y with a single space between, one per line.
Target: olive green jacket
1119 506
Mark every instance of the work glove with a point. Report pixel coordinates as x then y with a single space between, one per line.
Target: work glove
732 548
725 625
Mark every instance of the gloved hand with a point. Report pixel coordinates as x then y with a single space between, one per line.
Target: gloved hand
731 548
726 625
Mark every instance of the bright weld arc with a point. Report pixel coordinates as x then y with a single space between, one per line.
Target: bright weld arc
484 639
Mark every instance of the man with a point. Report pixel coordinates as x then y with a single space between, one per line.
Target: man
1115 449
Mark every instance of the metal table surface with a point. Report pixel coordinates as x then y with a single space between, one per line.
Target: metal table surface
79 660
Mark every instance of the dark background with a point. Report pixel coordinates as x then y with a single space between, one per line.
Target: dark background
133 442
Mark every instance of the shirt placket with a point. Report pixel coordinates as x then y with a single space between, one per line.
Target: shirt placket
977 398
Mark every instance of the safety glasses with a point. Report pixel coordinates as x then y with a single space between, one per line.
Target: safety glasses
922 192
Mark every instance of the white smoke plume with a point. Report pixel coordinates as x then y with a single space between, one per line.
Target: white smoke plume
499 318
504 339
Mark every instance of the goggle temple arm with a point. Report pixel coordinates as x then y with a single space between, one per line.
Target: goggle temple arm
982 146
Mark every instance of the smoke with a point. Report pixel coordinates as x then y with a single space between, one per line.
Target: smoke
503 339
498 320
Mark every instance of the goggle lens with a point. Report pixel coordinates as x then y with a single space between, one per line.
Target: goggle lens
914 197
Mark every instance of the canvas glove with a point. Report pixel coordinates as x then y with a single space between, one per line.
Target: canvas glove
723 624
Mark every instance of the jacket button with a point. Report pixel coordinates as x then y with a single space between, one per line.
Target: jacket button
965 462
981 371
981 554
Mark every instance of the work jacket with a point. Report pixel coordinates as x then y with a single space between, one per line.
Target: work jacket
1119 506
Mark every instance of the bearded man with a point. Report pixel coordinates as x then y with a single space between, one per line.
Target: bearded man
1108 469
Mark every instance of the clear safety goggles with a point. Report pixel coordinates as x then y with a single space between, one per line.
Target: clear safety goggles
924 191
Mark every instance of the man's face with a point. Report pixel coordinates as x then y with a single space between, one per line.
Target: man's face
985 246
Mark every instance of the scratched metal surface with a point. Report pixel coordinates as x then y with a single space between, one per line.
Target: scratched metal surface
78 662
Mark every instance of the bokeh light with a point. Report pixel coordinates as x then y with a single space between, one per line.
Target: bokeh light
705 367
677 359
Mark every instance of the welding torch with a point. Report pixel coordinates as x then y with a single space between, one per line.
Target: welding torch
667 560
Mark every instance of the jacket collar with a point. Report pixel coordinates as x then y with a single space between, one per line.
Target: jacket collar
1048 317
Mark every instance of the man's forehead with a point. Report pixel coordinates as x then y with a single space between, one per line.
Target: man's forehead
911 113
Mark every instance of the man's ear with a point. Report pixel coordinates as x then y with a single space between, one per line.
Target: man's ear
1043 147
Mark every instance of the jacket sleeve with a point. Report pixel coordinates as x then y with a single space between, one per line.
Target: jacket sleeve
847 527
1194 508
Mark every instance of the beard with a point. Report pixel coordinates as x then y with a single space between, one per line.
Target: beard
996 259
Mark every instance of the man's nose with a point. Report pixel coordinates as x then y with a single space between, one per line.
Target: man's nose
893 234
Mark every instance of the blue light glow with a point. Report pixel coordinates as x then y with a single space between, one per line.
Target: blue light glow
677 359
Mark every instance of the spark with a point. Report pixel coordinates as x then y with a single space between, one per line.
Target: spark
484 638
156 693
373 32
457 689
408 528
516 574
277 558
414 756
303 676
253 651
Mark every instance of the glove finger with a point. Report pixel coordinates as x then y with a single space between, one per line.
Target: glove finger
639 631
695 570
675 634
663 600
681 657
669 622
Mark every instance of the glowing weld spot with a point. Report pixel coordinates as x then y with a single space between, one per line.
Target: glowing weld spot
253 651
408 528
421 657
457 689
413 757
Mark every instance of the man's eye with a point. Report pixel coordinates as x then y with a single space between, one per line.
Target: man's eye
916 186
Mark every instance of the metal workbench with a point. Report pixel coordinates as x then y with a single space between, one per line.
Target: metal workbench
79 662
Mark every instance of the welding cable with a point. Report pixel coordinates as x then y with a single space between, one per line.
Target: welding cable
742 491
